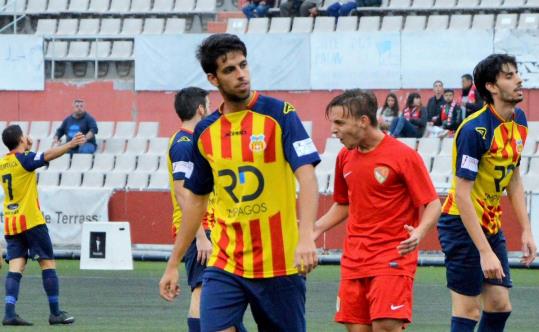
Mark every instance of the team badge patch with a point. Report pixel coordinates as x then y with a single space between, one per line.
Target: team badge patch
520 146
257 143
482 131
288 108
381 173
184 139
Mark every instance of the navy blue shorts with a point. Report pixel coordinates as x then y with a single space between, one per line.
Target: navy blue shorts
277 304
34 243
193 268
462 261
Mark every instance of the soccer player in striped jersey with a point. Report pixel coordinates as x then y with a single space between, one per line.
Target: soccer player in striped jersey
486 157
250 152
380 185
25 230
191 105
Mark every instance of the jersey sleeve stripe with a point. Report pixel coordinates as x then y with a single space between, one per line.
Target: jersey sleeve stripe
226 138
269 133
238 250
256 239
277 245
247 124
205 138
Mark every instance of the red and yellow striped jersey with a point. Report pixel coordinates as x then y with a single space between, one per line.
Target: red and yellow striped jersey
248 159
19 181
487 150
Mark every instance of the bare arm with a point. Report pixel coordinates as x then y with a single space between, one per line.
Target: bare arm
89 135
58 151
306 258
336 214
515 192
430 216
490 264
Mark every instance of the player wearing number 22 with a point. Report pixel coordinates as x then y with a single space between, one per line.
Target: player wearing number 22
249 152
25 230
486 157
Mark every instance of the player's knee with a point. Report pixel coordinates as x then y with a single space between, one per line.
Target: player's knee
498 305
46 264
387 325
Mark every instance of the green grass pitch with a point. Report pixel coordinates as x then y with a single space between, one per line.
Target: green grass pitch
129 300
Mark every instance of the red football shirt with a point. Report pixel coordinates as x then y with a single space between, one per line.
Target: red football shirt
384 188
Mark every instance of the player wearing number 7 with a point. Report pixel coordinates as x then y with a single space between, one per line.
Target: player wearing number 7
25 230
486 157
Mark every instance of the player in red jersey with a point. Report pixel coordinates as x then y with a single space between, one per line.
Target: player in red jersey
380 185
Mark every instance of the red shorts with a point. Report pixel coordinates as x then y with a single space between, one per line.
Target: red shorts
363 300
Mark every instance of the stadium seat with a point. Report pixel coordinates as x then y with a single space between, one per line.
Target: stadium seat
148 129
528 21
44 144
163 163
114 145
147 163
99 6
93 179
119 6
427 160
59 164
442 165
136 145
513 3
532 3
444 3
162 6
125 129
205 6
446 147
153 26
328 3
391 23
115 180
324 24
302 25
415 23
530 147
141 6
81 162
490 3
23 124
506 21
48 179
15 6
524 164
175 26
158 145
110 26
54 127
460 22
78 6
39 129
89 26
393 4
438 179
347 23
428 146
483 21
308 125
422 4
369 23
46 26
280 25
121 50
137 181
131 27
70 179
125 163
57 6
3 125
531 182
411 142
36 7
159 180
78 50
3 149
258 25
437 22
68 26
323 182
467 3
184 6
236 25
533 127
333 146
102 50
103 162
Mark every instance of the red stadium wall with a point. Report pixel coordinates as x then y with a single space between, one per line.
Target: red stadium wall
107 102
150 216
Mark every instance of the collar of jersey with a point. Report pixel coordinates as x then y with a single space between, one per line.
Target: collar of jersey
493 111
250 104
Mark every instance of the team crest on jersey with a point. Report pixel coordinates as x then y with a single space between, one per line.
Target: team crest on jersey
184 139
482 131
257 144
381 173
520 146
288 108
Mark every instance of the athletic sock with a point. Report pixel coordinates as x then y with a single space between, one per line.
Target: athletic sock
50 284
193 324
493 321
459 324
13 281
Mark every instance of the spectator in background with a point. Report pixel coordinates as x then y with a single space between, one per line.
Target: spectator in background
79 121
303 8
434 105
344 9
471 100
388 112
450 115
412 121
257 8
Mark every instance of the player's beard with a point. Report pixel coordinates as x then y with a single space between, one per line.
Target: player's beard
509 98
232 97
